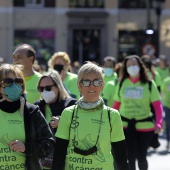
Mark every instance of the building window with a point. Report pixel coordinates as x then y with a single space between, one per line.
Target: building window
137 43
42 40
86 3
132 3
34 3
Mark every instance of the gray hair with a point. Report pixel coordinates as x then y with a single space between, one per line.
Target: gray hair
54 75
89 68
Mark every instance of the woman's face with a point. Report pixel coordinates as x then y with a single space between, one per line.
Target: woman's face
12 87
133 68
48 84
132 62
91 93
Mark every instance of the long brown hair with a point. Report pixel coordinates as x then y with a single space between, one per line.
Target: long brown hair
144 78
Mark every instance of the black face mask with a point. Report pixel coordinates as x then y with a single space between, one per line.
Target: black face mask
58 67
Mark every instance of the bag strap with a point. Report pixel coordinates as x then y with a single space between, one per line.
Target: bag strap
108 111
72 119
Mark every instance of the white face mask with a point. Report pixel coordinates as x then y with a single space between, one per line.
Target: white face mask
133 70
108 71
48 96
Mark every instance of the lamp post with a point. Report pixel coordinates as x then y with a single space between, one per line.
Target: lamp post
157 5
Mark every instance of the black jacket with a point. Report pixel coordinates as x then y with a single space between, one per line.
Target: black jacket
57 107
39 141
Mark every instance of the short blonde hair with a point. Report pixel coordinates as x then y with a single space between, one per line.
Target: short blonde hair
54 75
57 55
89 68
6 69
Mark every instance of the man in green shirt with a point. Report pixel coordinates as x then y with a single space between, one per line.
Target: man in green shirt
110 79
25 55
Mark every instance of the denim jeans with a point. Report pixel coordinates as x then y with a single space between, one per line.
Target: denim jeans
167 121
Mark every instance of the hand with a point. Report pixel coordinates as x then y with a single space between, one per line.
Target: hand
54 122
157 130
17 146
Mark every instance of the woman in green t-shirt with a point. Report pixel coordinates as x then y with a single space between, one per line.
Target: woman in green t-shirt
90 134
133 96
25 135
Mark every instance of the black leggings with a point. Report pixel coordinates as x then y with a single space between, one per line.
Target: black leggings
137 149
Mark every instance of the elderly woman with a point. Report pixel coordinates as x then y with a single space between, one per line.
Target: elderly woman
25 136
89 130
54 100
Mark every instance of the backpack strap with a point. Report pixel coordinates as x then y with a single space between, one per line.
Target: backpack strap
150 85
72 119
120 85
108 111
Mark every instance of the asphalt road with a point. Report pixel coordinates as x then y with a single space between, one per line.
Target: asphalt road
159 159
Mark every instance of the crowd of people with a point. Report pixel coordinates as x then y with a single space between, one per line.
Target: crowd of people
90 116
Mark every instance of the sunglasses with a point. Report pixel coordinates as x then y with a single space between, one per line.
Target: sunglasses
47 88
7 82
96 82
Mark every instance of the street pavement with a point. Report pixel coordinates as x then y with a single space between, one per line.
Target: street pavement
159 159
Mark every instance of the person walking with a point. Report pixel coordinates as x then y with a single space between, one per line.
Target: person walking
134 93
165 88
60 62
25 55
25 135
54 100
90 134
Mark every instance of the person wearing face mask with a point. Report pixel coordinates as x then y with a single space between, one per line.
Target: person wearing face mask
55 99
134 93
60 62
25 135
110 79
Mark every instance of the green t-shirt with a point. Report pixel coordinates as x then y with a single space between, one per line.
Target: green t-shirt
71 84
86 131
164 73
111 78
165 89
135 101
31 82
108 92
12 128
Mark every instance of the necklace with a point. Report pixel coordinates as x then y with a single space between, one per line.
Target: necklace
92 149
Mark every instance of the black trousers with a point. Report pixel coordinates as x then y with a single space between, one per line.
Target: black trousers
137 148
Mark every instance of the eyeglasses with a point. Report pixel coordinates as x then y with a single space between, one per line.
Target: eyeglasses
47 88
87 83
7 82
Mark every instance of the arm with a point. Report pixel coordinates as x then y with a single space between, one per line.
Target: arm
116 105
157 105
120 155
39 141
59 155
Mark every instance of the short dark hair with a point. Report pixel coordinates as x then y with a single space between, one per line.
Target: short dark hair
110 58
29 50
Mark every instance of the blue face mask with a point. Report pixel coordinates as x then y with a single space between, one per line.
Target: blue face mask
13 92
108 71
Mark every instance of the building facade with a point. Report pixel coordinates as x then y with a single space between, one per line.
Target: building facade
85 29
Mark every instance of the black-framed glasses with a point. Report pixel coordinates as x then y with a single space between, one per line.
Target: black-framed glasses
96 82
47 88
7 82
